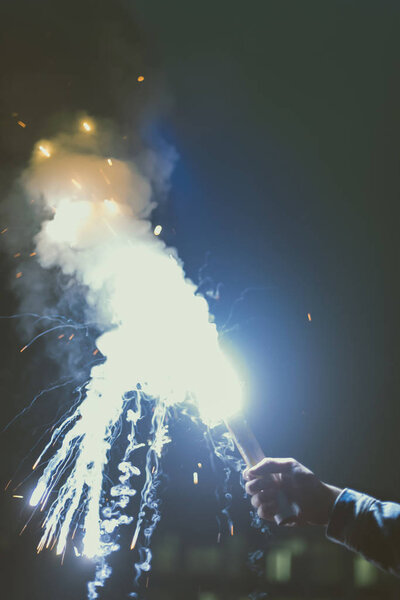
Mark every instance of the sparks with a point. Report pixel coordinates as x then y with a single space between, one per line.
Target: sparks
157 229
76 184
309 316
195 478
140 78
44 151
21 124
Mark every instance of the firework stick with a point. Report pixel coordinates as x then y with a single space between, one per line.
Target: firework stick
252 454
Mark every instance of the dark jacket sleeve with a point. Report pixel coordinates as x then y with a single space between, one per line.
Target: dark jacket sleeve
369 527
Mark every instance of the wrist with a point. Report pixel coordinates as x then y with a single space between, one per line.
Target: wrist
332 493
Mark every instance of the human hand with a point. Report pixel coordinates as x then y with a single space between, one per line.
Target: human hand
314 498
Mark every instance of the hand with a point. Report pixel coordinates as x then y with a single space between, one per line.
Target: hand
314 498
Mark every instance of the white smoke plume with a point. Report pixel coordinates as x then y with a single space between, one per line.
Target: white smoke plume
157 341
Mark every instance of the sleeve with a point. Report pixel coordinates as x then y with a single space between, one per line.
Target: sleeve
369 527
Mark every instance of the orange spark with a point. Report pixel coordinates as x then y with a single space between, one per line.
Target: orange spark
32 254
232 529
199 465
95 352
21 124
19 274
134 539
76 184
140 78
24 348
36 464
4 230
23 529
17 254
7 485
71 336
309 316
60 337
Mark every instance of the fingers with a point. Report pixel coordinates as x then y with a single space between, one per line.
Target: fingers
265 483
263 497
269 466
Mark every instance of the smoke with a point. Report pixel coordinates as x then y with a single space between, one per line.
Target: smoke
89 266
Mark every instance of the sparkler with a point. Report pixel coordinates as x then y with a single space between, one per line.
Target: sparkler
159 348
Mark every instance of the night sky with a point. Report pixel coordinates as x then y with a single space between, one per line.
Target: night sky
286 120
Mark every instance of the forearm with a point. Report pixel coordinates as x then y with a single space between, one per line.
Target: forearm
369 527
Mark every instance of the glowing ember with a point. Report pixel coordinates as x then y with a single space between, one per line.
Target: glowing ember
309 316
44 151
86 126
109 162
140 78
19 274
195 478
21 124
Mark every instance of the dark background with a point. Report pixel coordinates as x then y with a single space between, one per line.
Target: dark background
285 116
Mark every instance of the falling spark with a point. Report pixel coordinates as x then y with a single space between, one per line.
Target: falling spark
86 126
60 337
44 151
157 229
32 254
195 478
309 316
4 230
7 486
109 161
17 496
21 124
19 274
199 465
95 352
76 184
24 348
140 78
71 336
232 532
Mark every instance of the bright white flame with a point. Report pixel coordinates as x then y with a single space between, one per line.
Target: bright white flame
157 230
86 126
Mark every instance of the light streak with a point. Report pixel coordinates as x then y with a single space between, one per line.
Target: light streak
309 316
195 478
76 184
109 161
17 496
44 151
3 231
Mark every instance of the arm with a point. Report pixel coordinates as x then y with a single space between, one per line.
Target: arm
360 522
